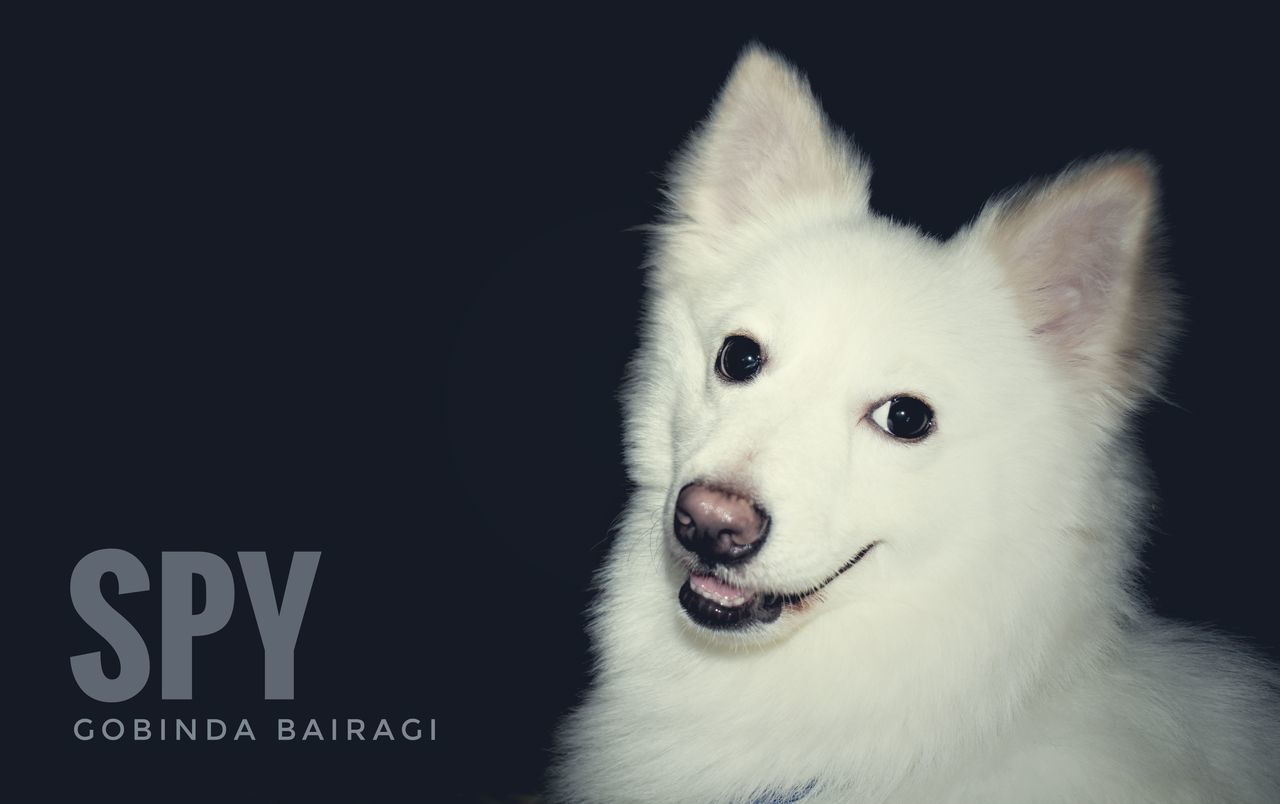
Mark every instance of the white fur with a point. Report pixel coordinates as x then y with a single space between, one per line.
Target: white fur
991 647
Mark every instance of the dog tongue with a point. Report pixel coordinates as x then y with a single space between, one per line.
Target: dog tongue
713 587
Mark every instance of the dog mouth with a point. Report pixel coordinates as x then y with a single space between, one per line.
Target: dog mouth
716 604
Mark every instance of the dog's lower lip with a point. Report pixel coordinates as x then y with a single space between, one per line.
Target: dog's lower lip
715 604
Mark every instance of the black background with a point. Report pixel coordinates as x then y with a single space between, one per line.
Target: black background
366 286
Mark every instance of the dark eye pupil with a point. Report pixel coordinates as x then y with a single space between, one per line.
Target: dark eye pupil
740 358
909 417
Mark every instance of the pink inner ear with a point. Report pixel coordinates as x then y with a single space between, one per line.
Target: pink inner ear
1075 254
766 148
756 154
1066 299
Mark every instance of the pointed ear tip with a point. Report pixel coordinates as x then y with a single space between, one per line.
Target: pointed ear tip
757 59
1137 166
755 50
1133 171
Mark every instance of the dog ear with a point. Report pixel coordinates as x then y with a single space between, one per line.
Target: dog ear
765 148
1078 253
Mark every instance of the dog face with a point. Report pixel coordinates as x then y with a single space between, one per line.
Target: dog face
836 410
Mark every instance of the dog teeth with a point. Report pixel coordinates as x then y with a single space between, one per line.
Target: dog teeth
723 601
716 591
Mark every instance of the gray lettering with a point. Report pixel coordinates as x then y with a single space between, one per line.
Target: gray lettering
279 628
86 596
179 624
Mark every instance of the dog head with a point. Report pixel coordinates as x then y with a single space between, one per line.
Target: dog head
833 409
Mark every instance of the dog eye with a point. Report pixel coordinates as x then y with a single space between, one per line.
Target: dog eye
904 417
739 359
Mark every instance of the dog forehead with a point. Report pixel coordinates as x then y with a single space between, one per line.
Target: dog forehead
854 278
873 308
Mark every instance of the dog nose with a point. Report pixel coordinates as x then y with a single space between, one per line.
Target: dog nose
722 527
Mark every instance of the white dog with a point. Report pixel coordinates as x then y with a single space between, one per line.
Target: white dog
886 512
